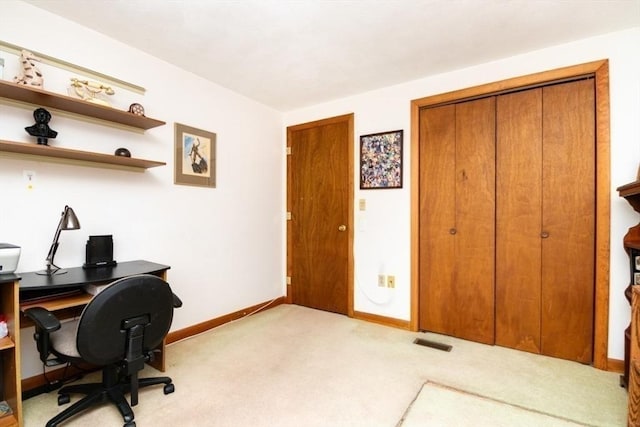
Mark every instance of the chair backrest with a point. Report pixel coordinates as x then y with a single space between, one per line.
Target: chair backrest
101 337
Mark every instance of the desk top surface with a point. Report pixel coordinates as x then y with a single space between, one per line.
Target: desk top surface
78 276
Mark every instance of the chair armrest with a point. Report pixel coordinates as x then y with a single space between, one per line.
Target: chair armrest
43 318
45 323
177 302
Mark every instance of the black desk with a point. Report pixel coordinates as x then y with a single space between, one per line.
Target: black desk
33 285
64 293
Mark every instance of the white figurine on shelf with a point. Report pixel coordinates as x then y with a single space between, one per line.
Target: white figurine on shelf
89 90
30 74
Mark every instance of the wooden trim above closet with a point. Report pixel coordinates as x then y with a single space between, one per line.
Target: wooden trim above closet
600 71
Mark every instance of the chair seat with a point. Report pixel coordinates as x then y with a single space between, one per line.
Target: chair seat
63 341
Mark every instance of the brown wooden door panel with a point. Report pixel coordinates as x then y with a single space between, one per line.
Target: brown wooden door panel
457 217
569 219
475 220
319 198
519 220
437 218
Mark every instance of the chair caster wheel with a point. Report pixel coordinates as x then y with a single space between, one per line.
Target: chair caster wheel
63 399
130 424
169 388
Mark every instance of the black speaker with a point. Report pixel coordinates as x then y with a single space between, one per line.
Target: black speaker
99 252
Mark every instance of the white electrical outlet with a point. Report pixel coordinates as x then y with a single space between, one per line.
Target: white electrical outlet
391 281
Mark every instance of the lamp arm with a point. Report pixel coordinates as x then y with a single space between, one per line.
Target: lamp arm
54 244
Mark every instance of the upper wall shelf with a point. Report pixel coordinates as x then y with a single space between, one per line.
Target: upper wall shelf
43 98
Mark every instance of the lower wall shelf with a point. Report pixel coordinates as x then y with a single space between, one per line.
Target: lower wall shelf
52 154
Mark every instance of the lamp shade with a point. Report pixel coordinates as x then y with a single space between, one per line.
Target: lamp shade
69 220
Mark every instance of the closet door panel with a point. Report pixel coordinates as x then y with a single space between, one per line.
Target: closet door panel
518 219
475 221
569 220
437 218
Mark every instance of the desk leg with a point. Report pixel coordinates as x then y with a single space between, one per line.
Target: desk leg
159 360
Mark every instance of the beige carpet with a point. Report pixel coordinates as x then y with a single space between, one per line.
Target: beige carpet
293 366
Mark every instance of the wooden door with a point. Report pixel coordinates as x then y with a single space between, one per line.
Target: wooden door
437 218
519 219
545 257
320 191
568 206
457 219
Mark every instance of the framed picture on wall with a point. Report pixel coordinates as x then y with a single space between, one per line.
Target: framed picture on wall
381 160
195 156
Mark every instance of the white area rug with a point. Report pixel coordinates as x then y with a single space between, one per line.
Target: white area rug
440 405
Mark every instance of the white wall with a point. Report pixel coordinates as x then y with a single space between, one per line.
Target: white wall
223 244
382 236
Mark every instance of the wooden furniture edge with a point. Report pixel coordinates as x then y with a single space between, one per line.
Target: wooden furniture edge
633 413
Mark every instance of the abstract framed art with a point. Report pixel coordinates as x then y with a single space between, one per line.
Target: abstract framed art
381 160
195 157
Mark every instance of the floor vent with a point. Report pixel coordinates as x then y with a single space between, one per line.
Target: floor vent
432 344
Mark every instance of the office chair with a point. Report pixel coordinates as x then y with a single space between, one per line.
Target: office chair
118 330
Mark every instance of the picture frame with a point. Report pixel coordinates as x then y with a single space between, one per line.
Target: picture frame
195 156
637 262
381 160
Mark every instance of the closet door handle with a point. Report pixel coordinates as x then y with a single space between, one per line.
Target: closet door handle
342 228
544 234
452 231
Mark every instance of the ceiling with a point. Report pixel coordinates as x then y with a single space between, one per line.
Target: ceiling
289 54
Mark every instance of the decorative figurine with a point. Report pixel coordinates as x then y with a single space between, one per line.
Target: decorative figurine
41 129
89 90
30 74
136 109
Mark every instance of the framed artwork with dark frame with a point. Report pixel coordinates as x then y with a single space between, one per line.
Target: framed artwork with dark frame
381 160
195 157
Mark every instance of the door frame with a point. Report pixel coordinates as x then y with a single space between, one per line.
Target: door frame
600 71
349 119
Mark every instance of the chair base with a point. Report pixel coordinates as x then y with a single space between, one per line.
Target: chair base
110 390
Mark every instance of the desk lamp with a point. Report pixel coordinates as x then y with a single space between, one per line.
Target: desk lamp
68 221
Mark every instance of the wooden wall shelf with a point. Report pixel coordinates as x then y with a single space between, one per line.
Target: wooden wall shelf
44 98
46 152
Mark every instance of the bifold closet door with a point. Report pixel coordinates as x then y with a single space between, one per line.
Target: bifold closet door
519 219
457 219
568 228
546 220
